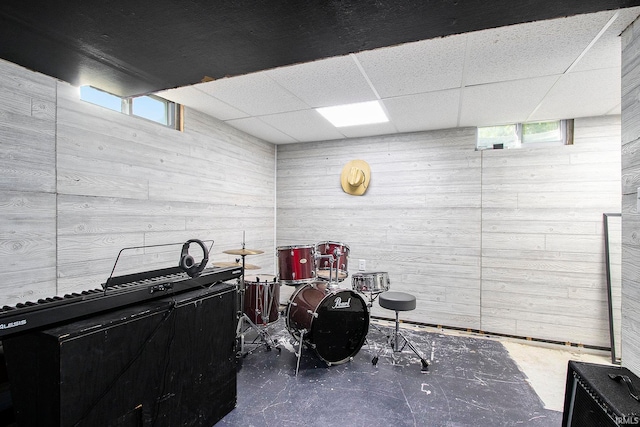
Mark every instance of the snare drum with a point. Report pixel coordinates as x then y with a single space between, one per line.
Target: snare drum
335 323
296 264
262 299
370 282
340 264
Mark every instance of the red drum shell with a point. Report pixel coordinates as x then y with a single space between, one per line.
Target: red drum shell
296 264
324 264
335 323
262 299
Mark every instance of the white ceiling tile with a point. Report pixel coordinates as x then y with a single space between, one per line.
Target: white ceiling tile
368 130
256 94
191 97
256 127
504 102
535 49
424 111
304 126
410 68
509 76
606 52
587 93
624 19
333 81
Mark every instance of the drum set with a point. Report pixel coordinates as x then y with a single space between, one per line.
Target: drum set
320 314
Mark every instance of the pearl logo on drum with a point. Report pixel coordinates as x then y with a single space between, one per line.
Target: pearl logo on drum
337 303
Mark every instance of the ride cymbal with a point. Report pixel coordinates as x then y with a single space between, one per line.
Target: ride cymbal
236 264
243 251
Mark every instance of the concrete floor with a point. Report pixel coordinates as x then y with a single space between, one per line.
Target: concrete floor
478 382
544 364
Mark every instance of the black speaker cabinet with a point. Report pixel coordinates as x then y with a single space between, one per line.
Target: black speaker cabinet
167 362
593 398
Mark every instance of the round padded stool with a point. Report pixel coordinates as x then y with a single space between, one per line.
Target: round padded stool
397 301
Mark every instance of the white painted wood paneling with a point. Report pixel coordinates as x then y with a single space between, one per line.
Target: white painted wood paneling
630 184
27 185
545 206
506 241
79 182
124 181
418 219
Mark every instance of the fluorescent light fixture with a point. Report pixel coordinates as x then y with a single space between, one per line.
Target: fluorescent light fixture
362 113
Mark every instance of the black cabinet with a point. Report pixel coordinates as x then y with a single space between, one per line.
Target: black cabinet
594 398
167 362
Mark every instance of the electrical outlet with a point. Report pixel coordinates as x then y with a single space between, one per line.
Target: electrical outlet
362 265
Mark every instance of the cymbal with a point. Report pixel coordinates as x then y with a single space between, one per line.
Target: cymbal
243 251
236 264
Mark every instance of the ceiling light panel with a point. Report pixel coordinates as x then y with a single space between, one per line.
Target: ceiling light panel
361 113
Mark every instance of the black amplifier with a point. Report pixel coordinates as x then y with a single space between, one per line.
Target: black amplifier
600 395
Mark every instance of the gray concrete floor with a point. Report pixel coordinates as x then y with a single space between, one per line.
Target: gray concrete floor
544 364
474 380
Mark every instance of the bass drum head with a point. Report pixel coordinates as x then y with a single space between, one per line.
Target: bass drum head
341 326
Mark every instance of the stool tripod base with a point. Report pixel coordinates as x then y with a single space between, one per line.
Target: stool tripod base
397 341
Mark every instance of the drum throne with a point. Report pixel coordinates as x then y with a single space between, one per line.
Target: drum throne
399 301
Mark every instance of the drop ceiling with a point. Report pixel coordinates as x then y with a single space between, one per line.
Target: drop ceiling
545 70
433 64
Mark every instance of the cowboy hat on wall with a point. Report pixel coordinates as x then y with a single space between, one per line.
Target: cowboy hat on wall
355 177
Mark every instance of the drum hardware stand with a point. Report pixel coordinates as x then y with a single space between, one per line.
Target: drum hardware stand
299 352
333 259
242 317
372 297
394 341
261 330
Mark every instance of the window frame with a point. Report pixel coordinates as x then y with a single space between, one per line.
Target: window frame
172 110
566 131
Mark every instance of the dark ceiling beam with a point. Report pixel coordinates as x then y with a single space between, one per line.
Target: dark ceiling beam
132 47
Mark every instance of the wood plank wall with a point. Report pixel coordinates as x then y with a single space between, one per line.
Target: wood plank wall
543 271
80 182
27 184
419 217
98 181
630 185
505 241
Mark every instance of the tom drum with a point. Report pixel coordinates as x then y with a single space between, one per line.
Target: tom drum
296 264
341 264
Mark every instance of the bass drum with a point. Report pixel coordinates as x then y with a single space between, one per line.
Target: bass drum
335 323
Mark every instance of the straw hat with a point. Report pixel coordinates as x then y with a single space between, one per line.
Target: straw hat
355 177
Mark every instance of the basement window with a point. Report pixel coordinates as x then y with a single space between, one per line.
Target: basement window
534 134
148 107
